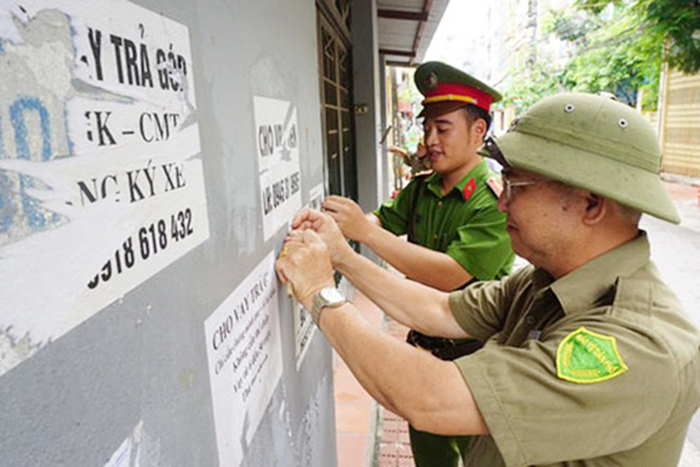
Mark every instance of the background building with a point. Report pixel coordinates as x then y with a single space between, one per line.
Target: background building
679 124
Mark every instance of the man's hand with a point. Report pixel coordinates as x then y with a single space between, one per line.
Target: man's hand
349 217
421 151
397 150
305 265
327 230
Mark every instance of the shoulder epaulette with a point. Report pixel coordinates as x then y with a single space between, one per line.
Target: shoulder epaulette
495 184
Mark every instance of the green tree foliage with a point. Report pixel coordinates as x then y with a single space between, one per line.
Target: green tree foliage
616 46
531 86
675 21
616 56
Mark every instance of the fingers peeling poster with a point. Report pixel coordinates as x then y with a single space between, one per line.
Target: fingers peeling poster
101 184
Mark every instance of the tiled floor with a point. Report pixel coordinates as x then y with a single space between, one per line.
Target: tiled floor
394 443
353 410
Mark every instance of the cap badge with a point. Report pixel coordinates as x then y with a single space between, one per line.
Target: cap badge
432 81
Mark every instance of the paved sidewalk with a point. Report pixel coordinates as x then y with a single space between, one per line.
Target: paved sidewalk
686 195
687 199
355 411
368 435
394 442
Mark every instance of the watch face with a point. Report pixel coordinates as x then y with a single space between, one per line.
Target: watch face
332 295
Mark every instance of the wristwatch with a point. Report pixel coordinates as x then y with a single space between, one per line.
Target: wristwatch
326 297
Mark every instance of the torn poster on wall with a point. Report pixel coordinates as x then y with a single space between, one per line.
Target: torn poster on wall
244 352
277 142
101 184
129 452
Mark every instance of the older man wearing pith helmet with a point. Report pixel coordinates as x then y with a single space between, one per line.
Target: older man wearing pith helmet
589 359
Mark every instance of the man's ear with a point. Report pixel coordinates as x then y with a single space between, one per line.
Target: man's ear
596 208
479 128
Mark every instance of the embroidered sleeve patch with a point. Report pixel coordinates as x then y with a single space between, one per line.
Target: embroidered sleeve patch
586 357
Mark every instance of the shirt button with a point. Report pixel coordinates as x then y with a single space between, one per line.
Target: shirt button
439 203
530 320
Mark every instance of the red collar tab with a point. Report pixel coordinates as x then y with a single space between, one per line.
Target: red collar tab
458 92
469 189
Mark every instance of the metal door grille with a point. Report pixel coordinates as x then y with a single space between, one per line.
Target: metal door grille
337 107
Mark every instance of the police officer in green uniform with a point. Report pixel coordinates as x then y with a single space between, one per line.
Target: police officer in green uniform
450 216
589 359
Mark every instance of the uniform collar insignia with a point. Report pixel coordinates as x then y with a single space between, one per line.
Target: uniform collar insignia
469 188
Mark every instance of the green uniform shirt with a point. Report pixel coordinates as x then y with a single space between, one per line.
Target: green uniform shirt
623 396
465 223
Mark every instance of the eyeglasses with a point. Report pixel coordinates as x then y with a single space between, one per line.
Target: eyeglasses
508 185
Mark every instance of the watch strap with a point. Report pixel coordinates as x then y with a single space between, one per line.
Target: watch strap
319 303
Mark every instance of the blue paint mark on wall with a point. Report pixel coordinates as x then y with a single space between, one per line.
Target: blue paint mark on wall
18 111
2 47
5 211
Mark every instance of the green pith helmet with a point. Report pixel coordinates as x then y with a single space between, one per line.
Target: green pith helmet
446 89
595 143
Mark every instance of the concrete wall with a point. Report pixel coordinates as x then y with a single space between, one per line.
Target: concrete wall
124 376
366 67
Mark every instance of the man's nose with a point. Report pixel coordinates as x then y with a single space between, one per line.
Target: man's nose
431 137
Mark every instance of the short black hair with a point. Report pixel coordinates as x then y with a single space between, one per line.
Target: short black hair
474 113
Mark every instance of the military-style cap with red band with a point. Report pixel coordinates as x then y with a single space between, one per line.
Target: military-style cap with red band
446 89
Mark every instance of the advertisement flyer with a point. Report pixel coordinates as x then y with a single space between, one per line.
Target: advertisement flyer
277 142
245 359
101 179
